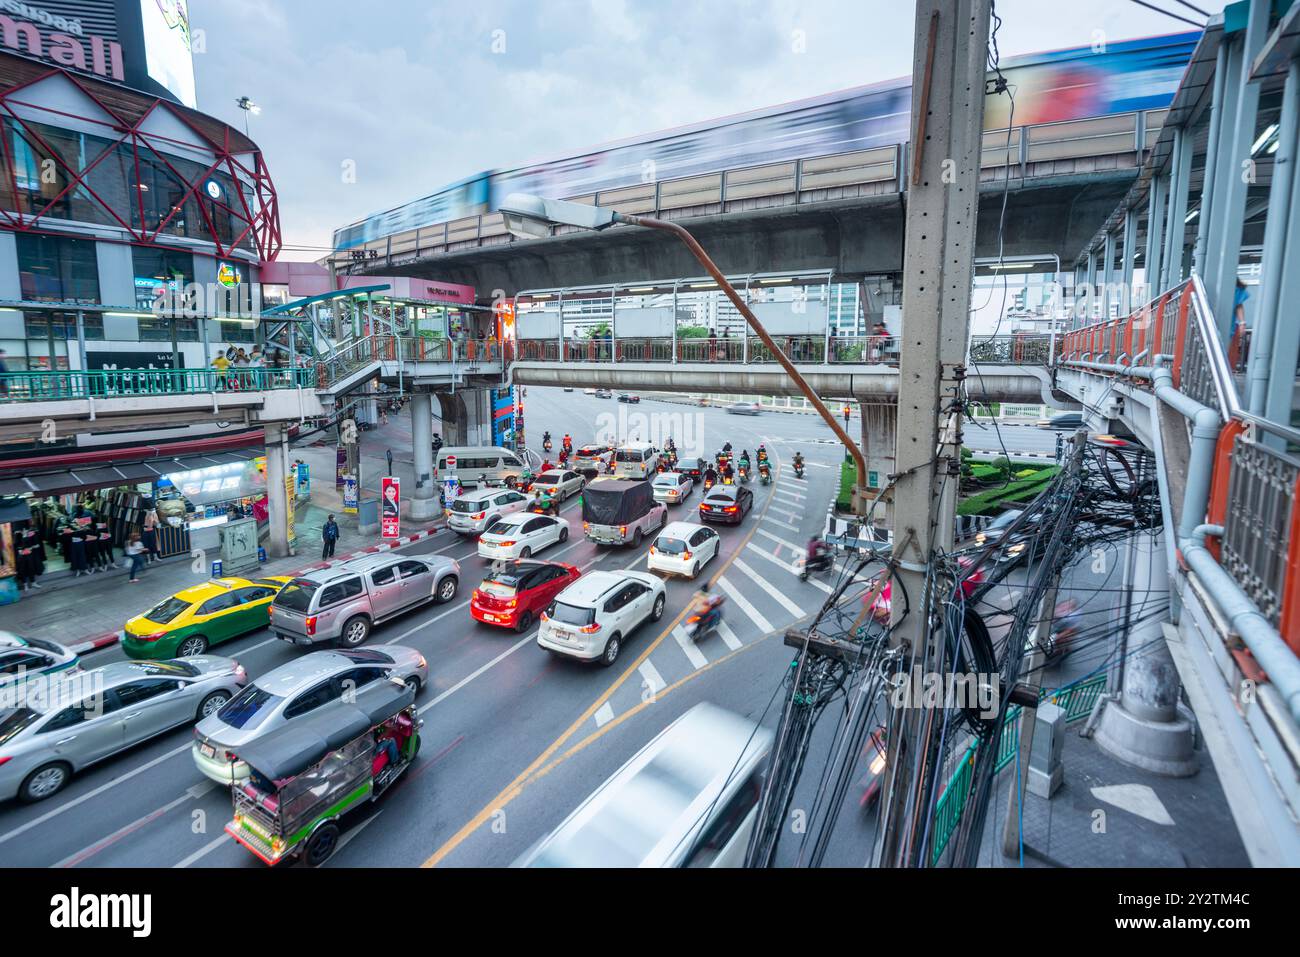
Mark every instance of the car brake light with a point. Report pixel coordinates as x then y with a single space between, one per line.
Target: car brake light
730 508
5 760
590 629
156 636
686 556
623 531
311 625
479 515
586 525
231 756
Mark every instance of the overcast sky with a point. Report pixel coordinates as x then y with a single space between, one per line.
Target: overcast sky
417 95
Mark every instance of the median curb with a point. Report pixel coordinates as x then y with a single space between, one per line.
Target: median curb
91 643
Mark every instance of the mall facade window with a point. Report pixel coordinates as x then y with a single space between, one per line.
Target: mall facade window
235 330
61 324
57 268
158 329
157 268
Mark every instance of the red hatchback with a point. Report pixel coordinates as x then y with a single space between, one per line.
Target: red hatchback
517 592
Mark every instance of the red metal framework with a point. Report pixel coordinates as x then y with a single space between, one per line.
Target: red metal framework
254 217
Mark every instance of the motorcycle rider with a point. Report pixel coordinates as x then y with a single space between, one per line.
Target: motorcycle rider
546 441
567 444
708 609
710 476
762 454
744 460
728 473
798 463
819 553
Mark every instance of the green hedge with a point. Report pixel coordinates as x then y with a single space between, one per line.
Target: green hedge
848 474
1020 490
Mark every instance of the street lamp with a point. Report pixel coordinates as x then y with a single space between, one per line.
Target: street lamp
246 104
531 217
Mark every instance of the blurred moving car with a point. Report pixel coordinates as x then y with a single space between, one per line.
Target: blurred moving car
744 408
516 593
343 603
290 691
22 659
1066 420
1024 543
728 504
194 619
77 719
683 548
604 394
521 535
593 458
689 798
625 397
592 617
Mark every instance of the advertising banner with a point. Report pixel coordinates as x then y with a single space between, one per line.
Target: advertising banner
291 506
349 495
390 520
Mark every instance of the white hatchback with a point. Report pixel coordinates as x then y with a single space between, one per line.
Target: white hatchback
476 510
683 548
521 535
592 618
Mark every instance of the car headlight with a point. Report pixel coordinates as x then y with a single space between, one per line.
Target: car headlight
1016 549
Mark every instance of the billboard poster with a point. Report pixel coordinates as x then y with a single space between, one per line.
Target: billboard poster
290 507
304 480
349 495
169 47
390 515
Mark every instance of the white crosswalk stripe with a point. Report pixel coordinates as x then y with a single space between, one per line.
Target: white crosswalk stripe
777 521
764 626
789 566
605 715
768 587
797 549
693 654
654 681
794 497
728 636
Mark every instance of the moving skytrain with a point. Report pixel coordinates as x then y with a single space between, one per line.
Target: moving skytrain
1048 87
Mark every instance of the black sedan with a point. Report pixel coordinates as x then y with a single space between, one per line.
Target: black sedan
1070 421
692 467
1025 542
727 504
624 397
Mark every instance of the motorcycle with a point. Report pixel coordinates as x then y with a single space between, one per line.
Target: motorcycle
708 484
699 627
547 445
744 475
798 471
821 563
765 475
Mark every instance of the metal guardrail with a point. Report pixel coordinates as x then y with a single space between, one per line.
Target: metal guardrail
121 383
368 350
1256 473
750 350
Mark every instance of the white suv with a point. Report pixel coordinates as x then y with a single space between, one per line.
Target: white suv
591 618
476 510
683 548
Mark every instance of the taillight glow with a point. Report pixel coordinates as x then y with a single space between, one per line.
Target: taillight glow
311 625
590 629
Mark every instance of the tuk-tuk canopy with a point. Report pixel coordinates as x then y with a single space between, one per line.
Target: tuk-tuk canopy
304 742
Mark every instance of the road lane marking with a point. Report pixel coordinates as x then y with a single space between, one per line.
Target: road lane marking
75 802
781 541
428 621
83 855
771 589
728 636
743 604
693 654
605 714
654 681
777 521
521 780
790 567
352 832
478 671
208 848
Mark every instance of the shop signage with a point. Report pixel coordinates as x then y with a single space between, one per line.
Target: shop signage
61 40
112 360
390 518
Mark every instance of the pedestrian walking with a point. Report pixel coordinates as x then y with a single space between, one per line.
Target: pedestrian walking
135 551
4 374
329 535
149 534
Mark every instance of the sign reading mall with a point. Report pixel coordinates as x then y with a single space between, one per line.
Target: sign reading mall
59 39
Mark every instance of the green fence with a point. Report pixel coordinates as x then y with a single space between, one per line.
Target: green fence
1077 700
121 383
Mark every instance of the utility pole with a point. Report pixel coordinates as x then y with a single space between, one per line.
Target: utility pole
948 69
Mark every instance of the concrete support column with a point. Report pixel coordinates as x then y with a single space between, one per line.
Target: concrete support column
453 418
1143 727
277 500
424 505
879 440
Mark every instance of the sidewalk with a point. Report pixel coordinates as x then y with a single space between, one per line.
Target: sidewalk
88 613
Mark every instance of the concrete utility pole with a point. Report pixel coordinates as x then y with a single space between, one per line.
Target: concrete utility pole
949 57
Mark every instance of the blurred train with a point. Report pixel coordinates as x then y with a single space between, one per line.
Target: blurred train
1070 84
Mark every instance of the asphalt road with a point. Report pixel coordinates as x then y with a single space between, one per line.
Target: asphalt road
513 738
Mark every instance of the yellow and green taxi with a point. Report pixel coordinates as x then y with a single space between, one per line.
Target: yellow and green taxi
193 620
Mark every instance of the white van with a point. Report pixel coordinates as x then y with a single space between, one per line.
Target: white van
499 465
689 798
636 460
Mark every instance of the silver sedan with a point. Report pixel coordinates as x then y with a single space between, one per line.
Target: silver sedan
59 725
295 689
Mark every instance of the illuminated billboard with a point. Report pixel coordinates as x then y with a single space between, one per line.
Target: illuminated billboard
167 44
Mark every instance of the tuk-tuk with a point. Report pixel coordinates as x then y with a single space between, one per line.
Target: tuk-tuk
306 775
